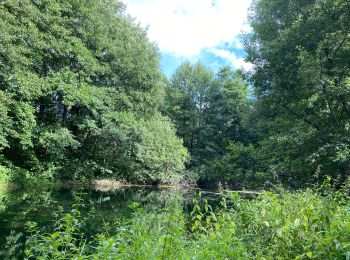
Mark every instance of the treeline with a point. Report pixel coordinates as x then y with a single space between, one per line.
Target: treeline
82 96
80 89
294 128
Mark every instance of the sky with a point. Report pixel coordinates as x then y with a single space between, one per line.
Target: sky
194 30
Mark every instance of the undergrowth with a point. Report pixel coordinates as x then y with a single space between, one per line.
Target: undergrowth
309 224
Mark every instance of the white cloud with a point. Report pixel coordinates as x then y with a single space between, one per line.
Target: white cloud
185 27
237 62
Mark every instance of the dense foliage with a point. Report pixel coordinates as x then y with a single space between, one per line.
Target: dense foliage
301 52
302 225
207 109
79 94
294 126
82 98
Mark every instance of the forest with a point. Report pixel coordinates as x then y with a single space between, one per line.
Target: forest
83 98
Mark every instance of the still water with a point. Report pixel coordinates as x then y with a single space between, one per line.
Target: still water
41 206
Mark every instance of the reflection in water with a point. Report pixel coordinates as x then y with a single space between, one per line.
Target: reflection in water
41 206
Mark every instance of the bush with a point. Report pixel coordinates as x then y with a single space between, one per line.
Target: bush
132 149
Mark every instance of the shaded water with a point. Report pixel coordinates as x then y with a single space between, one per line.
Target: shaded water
41 206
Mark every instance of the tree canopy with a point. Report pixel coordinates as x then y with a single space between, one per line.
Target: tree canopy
301 52
82 96
294 126
80 88
207 108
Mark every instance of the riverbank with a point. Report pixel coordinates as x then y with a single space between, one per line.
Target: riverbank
27 183
16 178
105 185
12 178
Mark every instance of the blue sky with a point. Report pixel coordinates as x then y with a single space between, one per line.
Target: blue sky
195 30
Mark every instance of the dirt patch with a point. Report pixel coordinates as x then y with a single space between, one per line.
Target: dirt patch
106 185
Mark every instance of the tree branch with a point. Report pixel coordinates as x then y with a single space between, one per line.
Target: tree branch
301 117
341 44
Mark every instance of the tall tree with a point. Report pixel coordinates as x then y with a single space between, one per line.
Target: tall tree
207 109
187 104
301 53
75 76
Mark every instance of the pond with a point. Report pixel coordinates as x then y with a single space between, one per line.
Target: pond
41 206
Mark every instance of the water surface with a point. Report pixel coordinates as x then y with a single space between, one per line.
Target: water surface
41 206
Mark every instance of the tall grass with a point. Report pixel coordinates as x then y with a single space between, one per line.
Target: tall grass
309 224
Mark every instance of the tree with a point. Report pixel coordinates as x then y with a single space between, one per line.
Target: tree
301 50
207 109
72 73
